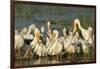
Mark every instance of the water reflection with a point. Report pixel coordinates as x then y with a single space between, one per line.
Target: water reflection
54 60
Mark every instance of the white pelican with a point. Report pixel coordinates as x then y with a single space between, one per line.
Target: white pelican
55 46
39 47
29 35
36 38
19 42
87 34
69 44
85 48
70 48
27 32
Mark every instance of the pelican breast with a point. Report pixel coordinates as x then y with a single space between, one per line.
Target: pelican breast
19 41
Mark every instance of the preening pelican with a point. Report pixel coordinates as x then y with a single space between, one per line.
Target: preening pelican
87 34
55 46
39 47
36 38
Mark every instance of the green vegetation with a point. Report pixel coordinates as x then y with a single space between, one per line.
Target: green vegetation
56 14
23 10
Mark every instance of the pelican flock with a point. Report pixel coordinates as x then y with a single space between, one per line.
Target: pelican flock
51 43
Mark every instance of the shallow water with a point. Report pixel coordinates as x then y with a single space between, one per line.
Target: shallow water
54 60
64 58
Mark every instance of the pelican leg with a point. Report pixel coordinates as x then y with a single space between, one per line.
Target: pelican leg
60 56
18 54
53 57
39 57
57 57
84 57
29 55
66 55
87 56
73 56
69 55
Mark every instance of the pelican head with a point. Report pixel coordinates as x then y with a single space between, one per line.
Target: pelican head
55 34
32 27
48 23
24 30
75 24
77 21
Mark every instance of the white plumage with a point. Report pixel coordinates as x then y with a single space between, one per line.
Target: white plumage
38 46
87 34
19 42
27 32
85 48
69 43
55 46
